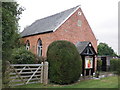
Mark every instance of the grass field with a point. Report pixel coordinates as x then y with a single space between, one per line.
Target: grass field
107 82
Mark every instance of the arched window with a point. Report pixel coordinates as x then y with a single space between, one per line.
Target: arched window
39 47
27 45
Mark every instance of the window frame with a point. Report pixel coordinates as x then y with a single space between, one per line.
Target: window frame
39 47
28 45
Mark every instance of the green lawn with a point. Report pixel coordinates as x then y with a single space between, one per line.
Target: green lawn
107 82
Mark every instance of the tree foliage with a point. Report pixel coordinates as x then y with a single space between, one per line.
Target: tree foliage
22 56
65 63
10 36
104 49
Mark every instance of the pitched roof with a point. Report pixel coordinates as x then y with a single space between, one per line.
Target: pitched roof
48 24
81 46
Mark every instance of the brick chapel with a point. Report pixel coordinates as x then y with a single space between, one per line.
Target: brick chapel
70 25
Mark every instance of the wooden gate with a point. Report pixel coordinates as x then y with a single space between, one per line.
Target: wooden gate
21 74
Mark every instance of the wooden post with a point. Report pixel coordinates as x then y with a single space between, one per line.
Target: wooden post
45 72
41 76
7 73
89 73
84 73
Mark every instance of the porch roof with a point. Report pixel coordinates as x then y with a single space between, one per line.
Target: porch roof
85 48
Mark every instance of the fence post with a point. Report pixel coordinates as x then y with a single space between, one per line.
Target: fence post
7 74
41 76
45 73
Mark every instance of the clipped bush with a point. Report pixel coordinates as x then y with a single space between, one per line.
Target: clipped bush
65 63
22 56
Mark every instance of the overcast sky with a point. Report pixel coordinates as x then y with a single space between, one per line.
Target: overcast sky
102 15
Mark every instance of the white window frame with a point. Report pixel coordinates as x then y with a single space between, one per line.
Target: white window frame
27 45
39 48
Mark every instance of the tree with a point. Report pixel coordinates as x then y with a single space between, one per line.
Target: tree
0 32
104 49
10 36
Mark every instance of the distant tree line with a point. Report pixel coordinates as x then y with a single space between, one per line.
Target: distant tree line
104 49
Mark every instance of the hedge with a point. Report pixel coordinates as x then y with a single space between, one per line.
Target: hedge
65 63
115 65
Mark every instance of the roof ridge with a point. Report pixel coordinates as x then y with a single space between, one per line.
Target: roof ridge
58 13
49 23
75 9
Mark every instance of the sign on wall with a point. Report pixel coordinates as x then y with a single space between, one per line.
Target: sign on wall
88 62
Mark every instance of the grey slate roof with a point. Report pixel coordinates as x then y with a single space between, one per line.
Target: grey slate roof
81 46
48 24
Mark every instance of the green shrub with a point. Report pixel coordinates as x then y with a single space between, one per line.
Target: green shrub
118 68
22 56
115 65
65 63
39 59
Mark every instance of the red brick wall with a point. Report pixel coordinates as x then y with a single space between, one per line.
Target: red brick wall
69 31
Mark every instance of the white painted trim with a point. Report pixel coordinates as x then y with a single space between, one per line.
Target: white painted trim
66 18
